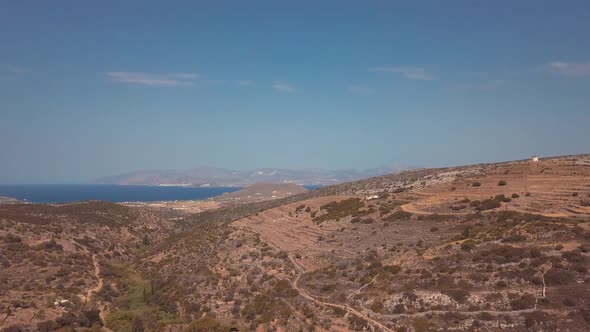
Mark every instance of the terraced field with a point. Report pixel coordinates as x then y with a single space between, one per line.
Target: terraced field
490 247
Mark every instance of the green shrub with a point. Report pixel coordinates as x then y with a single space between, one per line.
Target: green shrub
465 200
336 210
501 284
514 238
393 269
377 306
355 220
569 302
398 215
489 204
421 324
574 256
459 295
556 276
475 203
367 221
468 245
525 302
534 318
205 324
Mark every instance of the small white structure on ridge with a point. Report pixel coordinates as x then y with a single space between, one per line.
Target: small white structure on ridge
535 159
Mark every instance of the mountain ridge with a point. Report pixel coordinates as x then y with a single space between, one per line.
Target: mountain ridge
224 177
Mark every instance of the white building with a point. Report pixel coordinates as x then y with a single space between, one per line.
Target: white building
535 159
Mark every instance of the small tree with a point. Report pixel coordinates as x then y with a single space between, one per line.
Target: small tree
138 325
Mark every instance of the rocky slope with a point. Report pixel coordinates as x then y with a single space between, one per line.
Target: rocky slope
486 247
261 192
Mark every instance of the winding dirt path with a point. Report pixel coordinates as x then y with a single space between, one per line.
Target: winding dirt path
95 289
306 295
100 283
301 270
358 290
346 307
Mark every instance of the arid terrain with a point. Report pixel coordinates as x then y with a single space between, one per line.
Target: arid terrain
194 206
490 247
8 200
261 192
257 192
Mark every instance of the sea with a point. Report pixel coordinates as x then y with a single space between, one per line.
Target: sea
64 193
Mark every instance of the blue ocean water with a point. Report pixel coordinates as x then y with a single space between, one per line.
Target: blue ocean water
62 193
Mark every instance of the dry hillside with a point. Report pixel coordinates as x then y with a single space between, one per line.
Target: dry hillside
261 192
485 248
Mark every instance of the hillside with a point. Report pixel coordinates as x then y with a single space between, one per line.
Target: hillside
496 246
8 200
487 247
55 259
261 192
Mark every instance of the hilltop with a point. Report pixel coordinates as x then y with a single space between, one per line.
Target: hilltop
500 246
261 192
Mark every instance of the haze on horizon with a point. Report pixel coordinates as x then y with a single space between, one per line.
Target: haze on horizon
96 89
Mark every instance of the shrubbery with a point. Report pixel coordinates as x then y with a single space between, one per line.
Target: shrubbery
336 210
527 301
468 245
398 215
557 276
459 295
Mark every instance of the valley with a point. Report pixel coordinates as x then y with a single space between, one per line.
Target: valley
486 247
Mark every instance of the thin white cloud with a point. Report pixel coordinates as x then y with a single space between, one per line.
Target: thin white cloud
12 72
571 69
484 85
17 69
170 79
187 76
361 89
283 87
413 73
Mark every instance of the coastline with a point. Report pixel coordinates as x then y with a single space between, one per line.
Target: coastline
10 200
67 193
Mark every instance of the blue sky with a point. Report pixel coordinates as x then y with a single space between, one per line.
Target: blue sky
91 89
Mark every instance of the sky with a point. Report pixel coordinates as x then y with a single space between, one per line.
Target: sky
89 89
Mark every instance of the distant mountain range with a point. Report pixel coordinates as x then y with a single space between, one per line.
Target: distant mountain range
221 177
